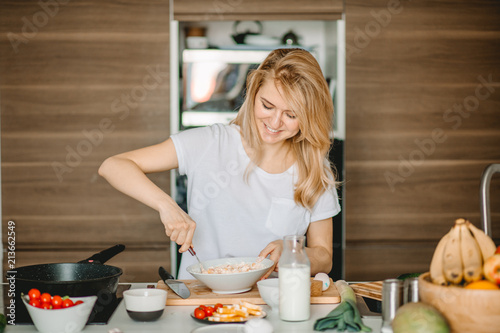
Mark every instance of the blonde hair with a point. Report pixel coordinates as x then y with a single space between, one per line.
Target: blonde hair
304 88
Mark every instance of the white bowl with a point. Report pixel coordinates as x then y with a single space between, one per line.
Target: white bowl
269 290
145 304
230 283
67 320
196 42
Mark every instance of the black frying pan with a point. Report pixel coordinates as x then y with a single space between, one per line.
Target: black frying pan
85 278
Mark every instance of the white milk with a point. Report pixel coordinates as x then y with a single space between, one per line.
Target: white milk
295 292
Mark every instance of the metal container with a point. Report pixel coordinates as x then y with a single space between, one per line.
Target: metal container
392 299
410 290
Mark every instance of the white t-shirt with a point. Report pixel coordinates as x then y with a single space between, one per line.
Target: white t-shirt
235 217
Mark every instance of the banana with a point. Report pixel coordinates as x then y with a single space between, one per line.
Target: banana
436 269
452 257
471 255
485 243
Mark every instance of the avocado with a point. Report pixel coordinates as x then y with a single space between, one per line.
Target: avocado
419 318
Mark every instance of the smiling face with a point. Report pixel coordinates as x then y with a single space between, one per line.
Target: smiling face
275 120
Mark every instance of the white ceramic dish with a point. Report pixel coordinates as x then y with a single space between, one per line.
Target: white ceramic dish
269 290
261 40
68 320
145 304
230 283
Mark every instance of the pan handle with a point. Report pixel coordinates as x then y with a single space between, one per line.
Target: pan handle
105 255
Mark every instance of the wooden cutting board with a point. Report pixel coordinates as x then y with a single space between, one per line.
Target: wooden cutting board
201 294
369 289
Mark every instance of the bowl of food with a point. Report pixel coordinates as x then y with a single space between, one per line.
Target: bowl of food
230 275
69 319
145 304
467 310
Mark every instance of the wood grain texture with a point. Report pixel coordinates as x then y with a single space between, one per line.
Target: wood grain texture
36 190
369 289
417 110
138 265
67 110
90 82
198 10
86 16
44 232
90 62
404 227
412 72
386 260
87 145
200 17
201 294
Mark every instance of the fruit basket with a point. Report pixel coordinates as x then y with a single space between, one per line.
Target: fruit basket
467 310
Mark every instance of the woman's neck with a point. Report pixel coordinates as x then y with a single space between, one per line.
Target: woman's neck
274 158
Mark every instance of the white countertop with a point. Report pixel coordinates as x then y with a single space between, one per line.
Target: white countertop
177 319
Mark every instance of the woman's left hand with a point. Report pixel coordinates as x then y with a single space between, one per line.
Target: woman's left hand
274 250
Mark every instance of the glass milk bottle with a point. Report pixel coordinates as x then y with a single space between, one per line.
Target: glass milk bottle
294 280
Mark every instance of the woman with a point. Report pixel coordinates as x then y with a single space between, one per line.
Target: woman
250 183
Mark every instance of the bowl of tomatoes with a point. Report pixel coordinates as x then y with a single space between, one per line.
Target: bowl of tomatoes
55 313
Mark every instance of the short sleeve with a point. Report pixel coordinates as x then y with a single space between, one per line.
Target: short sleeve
192 145
326 206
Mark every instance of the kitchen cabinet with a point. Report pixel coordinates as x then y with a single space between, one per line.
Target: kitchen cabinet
223 10
418 137
407 67
76 88
89 82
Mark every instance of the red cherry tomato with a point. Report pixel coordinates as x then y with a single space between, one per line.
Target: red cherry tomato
36 303
45 298
46 306
57 301
203 307
209 311
199 313
78 302
55 307
34 294
67 303
216 306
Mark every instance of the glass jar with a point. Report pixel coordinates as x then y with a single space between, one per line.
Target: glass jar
294 280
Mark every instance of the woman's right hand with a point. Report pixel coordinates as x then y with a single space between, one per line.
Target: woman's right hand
179 226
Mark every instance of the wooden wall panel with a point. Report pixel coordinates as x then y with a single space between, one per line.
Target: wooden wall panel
33 190
62 62
199 10
129 17
387 260
423 105
90 82
414 69
68 111
138 264
433 188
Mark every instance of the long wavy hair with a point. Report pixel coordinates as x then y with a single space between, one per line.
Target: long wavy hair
306 92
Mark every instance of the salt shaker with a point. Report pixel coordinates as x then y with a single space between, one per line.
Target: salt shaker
410 293
392 299
294 280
